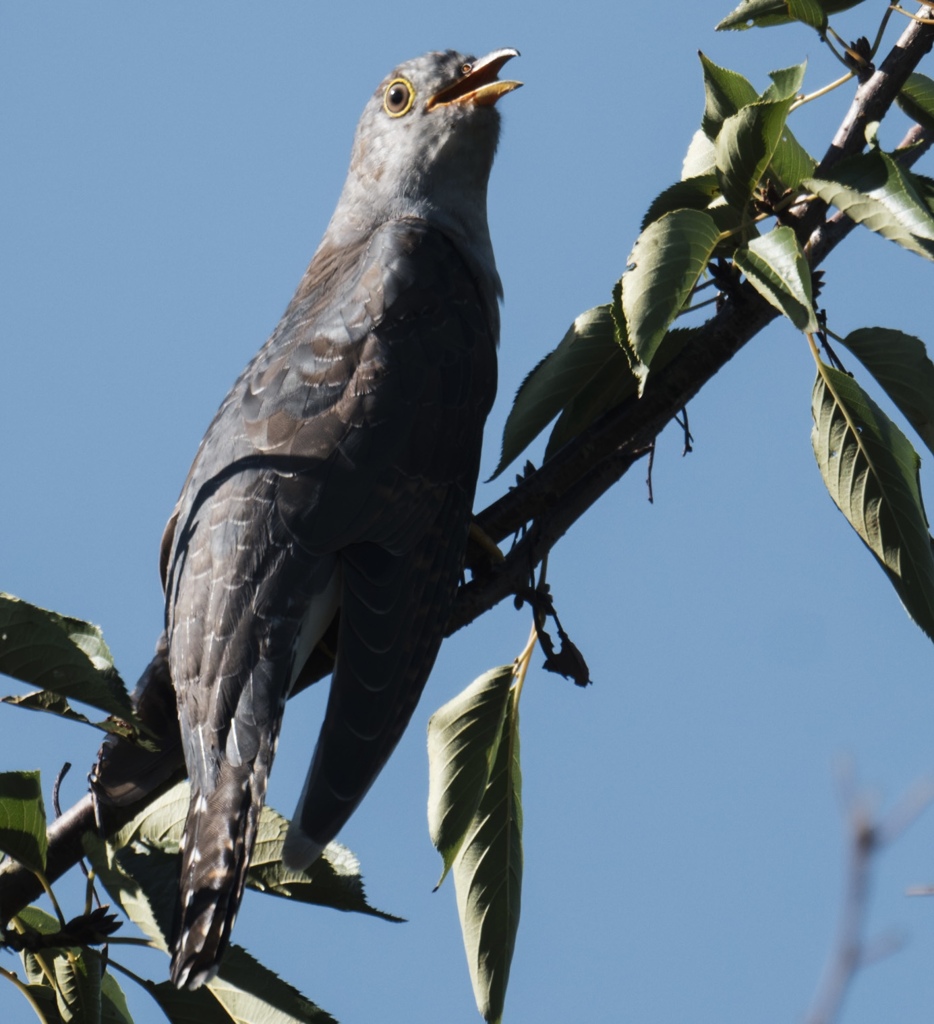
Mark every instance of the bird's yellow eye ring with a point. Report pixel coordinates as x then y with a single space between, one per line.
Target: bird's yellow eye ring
399 97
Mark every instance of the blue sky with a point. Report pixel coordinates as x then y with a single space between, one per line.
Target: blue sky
168 172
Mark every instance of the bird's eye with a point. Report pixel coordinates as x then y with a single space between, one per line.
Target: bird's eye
466 69
399 97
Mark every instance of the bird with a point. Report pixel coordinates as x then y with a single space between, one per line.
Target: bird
337 480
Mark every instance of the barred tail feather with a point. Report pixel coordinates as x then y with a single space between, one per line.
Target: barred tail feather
216 849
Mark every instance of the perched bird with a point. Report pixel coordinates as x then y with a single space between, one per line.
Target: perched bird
338 477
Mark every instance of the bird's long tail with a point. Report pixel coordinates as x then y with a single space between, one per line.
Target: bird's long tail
216 848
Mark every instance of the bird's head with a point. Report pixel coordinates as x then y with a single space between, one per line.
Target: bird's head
425 142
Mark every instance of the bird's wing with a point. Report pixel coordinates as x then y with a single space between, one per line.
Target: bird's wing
340 470
399 574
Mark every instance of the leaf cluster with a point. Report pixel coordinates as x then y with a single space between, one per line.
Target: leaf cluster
749 218
69 968
741 217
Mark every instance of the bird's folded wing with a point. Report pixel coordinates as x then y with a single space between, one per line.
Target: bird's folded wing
357 423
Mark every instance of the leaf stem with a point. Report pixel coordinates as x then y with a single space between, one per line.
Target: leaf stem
854 56
842 80
523 661
21 929
882 26
13 978
908 14
44 882
832 48
142 982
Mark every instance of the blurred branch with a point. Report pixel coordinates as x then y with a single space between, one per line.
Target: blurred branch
547 502
867 839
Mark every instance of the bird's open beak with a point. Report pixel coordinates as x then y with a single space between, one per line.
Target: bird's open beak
479 84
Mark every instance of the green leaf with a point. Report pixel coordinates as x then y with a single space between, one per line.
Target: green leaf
900 363
809 12
253 994
688 194
786 82
925 187
334 880
112 1011
160 823
666 262
700 159
183 1006
22 819
488 874
45 997
699 193
61 654
776 267
871 471
114 1006
605 393
765 13
55 704
38 920
78 985
873 190
142 880
725 93
588 350
791 163
917 99
463 737
745 146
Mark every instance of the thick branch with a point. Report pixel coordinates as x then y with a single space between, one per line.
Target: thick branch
551 499
877 93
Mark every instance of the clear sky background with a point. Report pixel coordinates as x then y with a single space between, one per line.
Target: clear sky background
167 172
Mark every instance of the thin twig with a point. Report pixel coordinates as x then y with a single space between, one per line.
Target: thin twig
56 806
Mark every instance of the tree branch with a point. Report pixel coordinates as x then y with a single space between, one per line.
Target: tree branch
556 495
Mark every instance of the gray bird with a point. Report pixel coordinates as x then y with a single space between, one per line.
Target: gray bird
338 476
